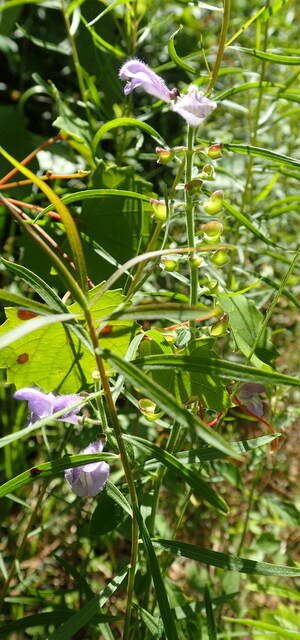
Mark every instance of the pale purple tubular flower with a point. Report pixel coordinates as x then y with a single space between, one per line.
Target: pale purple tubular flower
42 404
138 74
194 106
249 396
89 479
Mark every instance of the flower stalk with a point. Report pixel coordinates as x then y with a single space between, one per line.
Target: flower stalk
190 221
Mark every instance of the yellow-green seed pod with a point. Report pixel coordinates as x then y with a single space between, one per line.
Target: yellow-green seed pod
214 205
215 151
159 209
168 264
220 258
220 328
148 409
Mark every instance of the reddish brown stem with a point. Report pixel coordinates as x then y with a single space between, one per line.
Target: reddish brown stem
30 157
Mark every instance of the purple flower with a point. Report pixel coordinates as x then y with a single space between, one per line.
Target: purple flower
89 479
42 404
248 395
194 106
138 74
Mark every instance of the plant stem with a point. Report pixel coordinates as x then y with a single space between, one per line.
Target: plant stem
190 221
221 46
127 471
135 283
76 61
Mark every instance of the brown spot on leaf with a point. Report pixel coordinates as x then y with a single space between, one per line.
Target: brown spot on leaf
35 472
22 358
24 314
107 329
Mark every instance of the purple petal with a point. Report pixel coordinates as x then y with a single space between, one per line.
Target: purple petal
40 404
89 479
63 402
194 106
138 74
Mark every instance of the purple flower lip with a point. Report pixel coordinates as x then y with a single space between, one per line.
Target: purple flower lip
89 479
248 395
138 74
42 404
194 106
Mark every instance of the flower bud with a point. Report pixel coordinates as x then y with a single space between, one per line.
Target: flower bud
89 479
214 205
220 257
215 151
147 408
194 186
159 209
164 155
219 329
168 264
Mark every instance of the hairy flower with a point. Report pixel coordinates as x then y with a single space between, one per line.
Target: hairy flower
194 106
138 74
89 479
42 404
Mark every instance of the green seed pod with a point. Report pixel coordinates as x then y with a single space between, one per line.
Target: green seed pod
197 261
220 328
208 172
159 209
147 408
215 151
194 186
212 231
168 264
220 257
164 155
214 205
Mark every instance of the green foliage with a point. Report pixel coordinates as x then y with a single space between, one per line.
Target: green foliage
53 358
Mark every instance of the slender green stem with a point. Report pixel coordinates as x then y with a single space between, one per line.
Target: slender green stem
221 45
127 471
190 221
77 64
135 283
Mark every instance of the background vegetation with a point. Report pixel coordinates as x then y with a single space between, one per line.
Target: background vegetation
201 502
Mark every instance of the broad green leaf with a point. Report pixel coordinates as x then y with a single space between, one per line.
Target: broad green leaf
153 624
226 561
174 55
53 468
265 626
13 335
262 153
120 222
216 367
126 122
92 608
199 486
106 517
49 357
166 401
245 320
160 590
188 386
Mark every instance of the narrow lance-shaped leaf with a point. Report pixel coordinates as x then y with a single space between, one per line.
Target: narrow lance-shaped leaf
200 487
166 401
225 560
217 367
53 468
